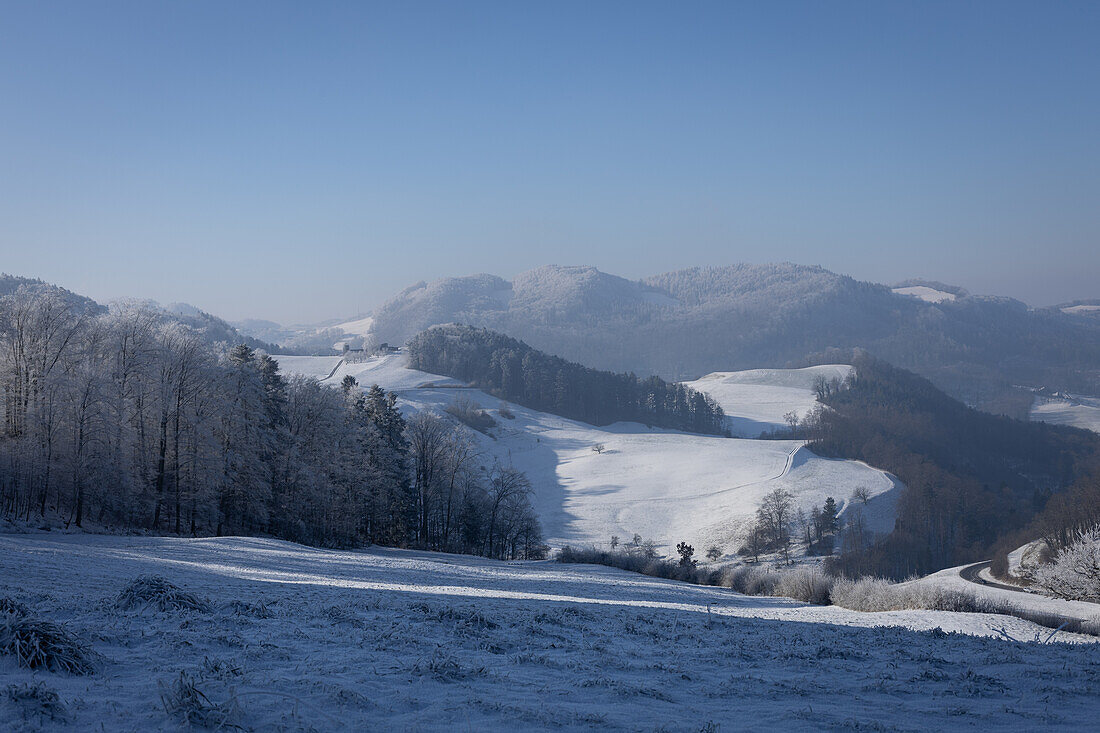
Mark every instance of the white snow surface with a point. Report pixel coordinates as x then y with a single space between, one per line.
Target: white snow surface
755 401
307 639
1078 411
925 293
664 485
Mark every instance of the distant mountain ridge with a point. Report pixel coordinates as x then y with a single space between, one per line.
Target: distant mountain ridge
687 323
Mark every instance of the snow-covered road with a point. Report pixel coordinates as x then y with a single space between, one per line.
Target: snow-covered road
398 640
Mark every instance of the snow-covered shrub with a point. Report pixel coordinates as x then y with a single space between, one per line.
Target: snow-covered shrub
750 580
1075 572
153 590
466 412
804 585
865 594
183 700
44 645
35 700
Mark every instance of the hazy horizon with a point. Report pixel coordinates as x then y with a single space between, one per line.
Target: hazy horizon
299 163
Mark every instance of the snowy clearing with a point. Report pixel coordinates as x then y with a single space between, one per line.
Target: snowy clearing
925 293
301 638
756 401
665 485
1078 411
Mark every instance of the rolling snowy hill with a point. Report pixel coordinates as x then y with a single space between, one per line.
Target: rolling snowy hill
665 485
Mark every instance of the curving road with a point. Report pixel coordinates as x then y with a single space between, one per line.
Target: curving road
971 573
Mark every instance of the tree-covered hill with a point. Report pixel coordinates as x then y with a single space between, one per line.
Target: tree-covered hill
514 371
970 477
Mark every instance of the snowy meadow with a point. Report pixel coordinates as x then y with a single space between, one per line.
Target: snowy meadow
285 637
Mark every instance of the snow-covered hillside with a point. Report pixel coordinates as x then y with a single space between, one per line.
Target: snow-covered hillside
358 327
757 400
1078 411
666 486
297 638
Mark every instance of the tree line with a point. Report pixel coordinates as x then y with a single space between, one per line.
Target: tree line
512 370
123 419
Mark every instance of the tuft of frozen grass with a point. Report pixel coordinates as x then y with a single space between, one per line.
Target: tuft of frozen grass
10 606
185 701
342 615
36 700
445 668
155 591
465 617
258 609
44 645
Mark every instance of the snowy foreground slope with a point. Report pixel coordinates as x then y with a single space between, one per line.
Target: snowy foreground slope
665 485
306 639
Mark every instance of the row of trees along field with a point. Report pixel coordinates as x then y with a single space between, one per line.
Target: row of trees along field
512 370
126 419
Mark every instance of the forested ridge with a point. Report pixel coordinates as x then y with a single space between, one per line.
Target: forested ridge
512 370
970 477
120 419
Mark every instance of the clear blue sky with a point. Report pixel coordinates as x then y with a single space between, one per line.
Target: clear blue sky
307 160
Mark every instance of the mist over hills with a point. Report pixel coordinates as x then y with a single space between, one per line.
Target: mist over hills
986 351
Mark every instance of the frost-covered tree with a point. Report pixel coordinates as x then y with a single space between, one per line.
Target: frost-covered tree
1075 573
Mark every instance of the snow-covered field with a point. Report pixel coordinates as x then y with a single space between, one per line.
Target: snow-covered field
665 485
1078 411
757 400
306 639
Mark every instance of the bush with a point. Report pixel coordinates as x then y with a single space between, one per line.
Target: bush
153 590
467 413
44 645
805 585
